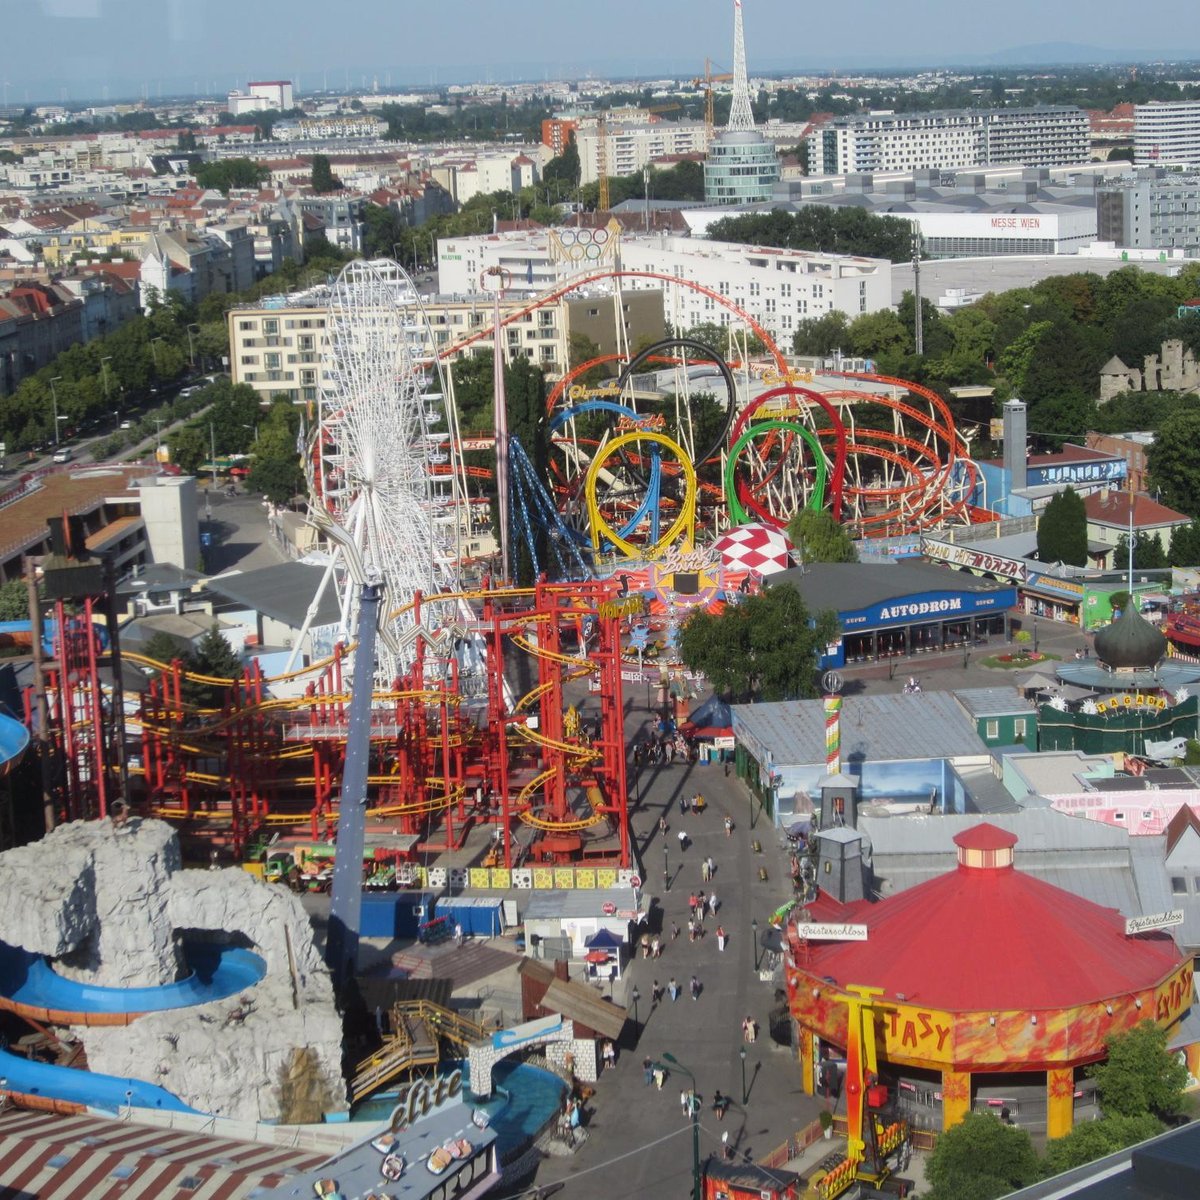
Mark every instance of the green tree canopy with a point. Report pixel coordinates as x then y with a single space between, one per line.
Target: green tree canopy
830 230
14 601
821 335
1174 462
1185 545
564 168
819 538
322 178
227 173
764 648
980 1158
1148 553
1062 530
1140 1075
1090 1140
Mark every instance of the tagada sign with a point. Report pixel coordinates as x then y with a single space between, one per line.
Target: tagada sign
1147 924
815 931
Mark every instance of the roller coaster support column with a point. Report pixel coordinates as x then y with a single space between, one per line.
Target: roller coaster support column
345 914
612 717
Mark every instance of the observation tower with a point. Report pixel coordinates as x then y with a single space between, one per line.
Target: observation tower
742 166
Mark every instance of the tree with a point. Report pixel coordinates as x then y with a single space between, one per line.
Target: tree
878 333
565 168
765 648
278 478
212 656
822 335
819 538
980 1158
1062 530
1185 545
227 173
1173 460
1148 553
384 231
1090 1140
14 601
188 449
322 177
1140 1075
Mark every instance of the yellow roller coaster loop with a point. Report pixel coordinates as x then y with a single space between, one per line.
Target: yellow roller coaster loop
685 521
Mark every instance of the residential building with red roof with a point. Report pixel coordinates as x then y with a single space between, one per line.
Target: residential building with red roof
1109 513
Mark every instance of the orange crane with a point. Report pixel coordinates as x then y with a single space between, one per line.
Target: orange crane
706 81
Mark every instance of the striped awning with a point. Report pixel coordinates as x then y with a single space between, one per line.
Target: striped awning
87 1157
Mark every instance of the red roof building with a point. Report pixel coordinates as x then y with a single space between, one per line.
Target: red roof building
984 970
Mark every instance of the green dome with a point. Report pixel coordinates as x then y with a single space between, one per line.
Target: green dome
1131 642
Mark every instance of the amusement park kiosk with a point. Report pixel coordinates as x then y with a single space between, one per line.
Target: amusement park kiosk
982 972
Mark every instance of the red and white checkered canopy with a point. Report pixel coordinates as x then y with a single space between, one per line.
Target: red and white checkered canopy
754 547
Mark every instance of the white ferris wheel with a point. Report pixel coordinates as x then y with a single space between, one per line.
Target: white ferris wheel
384 473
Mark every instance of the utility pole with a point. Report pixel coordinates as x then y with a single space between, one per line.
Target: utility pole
918 330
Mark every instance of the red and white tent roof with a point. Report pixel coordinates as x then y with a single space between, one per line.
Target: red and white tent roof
754 547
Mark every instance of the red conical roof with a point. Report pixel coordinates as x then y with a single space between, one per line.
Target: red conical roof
989 937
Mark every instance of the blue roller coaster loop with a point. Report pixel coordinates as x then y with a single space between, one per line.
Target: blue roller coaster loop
530 493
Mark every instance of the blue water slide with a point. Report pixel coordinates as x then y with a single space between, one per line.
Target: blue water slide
14 740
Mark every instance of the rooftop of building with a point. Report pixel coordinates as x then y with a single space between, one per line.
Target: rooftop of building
874 728
1114 508
993 701
990 936
282 593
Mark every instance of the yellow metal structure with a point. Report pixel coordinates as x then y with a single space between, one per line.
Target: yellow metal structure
603 203
706 81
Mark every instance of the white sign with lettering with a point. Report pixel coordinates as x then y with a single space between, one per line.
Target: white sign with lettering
815 931
1147 924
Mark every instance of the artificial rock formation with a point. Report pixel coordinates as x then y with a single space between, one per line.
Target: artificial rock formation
111 905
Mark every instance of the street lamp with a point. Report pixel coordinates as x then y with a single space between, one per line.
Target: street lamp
54 402
695 1107
635 996
754 938
742 1056
666 870
192 345
154 351
104 372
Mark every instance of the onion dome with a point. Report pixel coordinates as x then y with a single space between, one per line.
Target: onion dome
1130 643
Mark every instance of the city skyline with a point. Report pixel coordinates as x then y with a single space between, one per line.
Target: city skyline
96 49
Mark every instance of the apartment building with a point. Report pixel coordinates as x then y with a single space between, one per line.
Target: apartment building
1155 210
1167 133
778 288
278 346
1043 136
630 147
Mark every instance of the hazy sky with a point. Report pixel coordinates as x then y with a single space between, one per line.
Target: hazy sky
84 46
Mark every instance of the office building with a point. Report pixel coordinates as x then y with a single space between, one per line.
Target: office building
1167 133
262 96
1156 210
1044 136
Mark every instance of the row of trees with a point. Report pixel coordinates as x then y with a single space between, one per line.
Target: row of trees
1140 1086
828 230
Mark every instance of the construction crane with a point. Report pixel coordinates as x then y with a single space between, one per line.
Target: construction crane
706 81
602 201
873 1138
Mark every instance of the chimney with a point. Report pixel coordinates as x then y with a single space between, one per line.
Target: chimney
839 864
1015 454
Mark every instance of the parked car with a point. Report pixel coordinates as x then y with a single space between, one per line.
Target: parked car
63 454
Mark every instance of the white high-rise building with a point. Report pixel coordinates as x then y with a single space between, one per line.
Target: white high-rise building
1167 133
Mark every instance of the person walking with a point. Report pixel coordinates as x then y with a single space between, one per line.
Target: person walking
683 806
656 947
683 839
673 988
695 987
712 903
728 826
720 939
685 1102
656 995
674 930
712 866
648 1070
704 870
662 826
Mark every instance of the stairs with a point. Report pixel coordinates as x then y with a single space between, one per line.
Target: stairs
419 1027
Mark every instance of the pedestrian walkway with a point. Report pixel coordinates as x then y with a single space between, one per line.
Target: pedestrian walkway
704 1034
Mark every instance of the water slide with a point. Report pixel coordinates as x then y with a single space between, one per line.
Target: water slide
30 987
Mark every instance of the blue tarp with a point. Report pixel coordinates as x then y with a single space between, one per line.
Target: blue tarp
714 713
479 916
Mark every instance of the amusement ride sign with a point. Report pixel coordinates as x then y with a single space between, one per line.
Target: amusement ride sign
424 1097
974 560
816 931
1147 924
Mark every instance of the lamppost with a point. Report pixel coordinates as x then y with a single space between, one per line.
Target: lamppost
54 402
635 996
154 351
666 870
754 939
695 1107
192 345
104 372
742 1056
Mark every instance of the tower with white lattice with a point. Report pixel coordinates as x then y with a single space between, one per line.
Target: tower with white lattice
741 166
741 116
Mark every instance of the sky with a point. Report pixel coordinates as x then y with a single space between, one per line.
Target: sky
77 49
